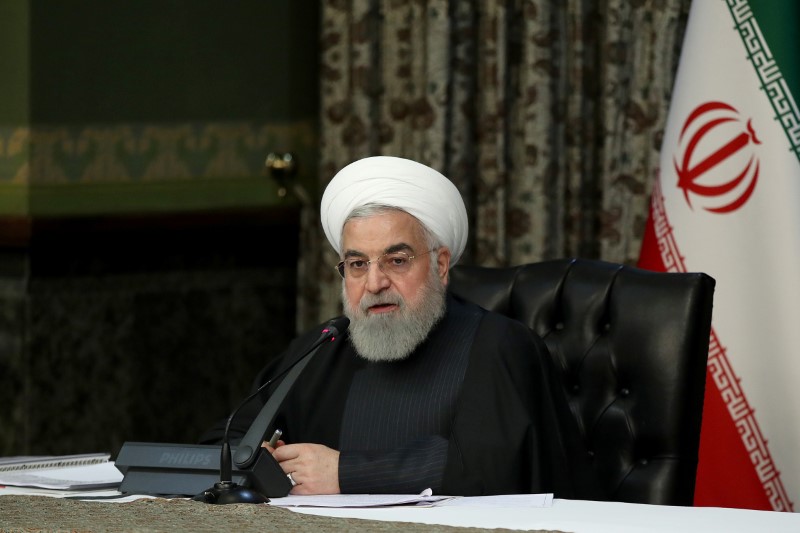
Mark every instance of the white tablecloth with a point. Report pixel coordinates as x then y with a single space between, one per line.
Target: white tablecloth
586 517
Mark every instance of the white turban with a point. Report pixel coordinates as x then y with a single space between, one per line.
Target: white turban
413 187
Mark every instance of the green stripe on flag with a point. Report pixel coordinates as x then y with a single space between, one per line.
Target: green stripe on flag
769 32
779 21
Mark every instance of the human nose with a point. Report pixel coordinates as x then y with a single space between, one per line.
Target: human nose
377 280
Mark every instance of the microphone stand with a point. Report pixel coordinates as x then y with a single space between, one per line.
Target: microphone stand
225 491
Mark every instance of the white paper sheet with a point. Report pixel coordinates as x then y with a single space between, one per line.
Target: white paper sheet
504 500
102 475
425 498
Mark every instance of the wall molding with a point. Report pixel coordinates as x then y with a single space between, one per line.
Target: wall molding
89 169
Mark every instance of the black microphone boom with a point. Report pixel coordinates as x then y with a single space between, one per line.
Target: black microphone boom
249 450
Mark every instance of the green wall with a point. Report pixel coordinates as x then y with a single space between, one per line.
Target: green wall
14 63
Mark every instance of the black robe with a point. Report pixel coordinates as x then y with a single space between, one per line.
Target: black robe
501 434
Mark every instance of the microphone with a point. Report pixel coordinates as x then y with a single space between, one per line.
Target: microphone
225 490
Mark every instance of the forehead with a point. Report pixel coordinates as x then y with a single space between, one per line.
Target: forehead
378 232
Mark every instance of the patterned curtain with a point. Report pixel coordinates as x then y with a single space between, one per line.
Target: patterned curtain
547 115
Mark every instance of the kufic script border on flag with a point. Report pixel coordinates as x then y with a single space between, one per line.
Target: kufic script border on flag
772 81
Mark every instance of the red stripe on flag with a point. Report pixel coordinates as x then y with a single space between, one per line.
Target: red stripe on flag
649 258
725 474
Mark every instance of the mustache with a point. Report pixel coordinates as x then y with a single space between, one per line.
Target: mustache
369 300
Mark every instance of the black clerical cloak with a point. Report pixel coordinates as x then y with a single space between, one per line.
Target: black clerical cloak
502 437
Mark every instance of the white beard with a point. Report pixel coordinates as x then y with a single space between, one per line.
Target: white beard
393 336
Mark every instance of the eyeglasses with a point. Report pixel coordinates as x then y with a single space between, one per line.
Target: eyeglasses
389 263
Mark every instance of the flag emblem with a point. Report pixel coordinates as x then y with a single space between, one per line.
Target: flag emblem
719 165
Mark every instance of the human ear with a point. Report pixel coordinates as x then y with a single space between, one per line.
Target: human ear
443 263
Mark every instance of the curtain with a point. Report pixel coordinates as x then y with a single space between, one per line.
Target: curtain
546 114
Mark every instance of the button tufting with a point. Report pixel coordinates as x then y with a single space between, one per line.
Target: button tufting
643 462
576 388
607 326
624 392
590 453
559 326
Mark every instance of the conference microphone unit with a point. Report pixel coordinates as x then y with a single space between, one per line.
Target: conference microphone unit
246 473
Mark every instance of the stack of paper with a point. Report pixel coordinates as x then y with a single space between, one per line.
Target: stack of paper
64 472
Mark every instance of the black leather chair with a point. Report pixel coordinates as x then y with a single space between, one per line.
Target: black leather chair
629 347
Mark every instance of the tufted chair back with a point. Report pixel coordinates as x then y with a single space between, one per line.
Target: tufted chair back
629 348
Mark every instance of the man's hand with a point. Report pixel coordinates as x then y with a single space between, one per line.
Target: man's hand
314 467
269 448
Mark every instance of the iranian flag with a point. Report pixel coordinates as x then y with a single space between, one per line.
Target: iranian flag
727 202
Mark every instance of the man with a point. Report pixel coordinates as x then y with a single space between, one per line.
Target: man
424 390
